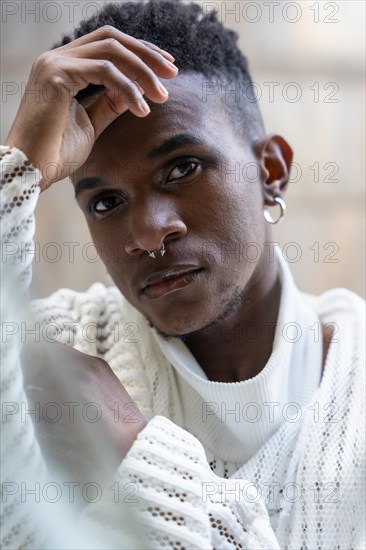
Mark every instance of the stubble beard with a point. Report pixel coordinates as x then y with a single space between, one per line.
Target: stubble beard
235 301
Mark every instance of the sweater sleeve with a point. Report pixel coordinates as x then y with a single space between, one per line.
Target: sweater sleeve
179 501
21 460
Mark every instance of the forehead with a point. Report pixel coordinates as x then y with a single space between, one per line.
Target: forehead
188 110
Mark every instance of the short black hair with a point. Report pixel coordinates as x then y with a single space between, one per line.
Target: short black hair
199 43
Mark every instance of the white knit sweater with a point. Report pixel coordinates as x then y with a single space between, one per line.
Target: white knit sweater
276 461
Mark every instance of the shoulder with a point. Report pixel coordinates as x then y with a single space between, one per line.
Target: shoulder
337 302
342 314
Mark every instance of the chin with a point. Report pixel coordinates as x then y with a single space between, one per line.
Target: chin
197 320
177 328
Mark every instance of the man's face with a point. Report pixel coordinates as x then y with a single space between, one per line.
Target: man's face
179 176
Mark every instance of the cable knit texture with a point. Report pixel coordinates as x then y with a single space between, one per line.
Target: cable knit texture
291 479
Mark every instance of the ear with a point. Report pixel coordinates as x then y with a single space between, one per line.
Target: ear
275 157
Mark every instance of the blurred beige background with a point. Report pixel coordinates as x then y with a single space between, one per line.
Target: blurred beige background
307 60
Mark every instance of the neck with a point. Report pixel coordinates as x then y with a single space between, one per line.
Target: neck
239 347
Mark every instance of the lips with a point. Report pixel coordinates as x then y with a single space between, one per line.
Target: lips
174 278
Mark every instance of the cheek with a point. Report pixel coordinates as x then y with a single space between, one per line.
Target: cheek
232 215
111 250
103 241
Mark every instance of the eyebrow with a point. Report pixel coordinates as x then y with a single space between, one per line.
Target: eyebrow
85 184
180 140
171 144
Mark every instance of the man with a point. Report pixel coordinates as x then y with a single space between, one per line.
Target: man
230 440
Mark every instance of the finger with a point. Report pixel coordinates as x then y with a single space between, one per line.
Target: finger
164 53
158 62
111 47
77 73
102 114
139 47
128 63
112 104
141 90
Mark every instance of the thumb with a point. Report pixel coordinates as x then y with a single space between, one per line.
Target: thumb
106 109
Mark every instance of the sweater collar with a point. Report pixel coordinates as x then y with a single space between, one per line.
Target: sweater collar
234 419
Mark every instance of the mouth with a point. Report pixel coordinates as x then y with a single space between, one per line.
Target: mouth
162 283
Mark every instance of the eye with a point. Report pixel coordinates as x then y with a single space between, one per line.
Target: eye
104 204
182 170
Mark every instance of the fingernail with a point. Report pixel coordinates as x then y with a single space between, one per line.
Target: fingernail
168 54
163 90
144 106
171 65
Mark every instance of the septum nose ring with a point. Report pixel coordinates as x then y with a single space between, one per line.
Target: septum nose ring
162 251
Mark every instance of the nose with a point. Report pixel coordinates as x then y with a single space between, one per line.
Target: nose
153 224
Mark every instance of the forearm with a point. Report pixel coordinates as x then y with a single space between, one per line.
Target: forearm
168 482
22 462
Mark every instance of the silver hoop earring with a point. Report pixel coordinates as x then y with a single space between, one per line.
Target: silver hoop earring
162 251
282 205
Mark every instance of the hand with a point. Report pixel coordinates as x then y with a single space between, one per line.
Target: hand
53 129
85 420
